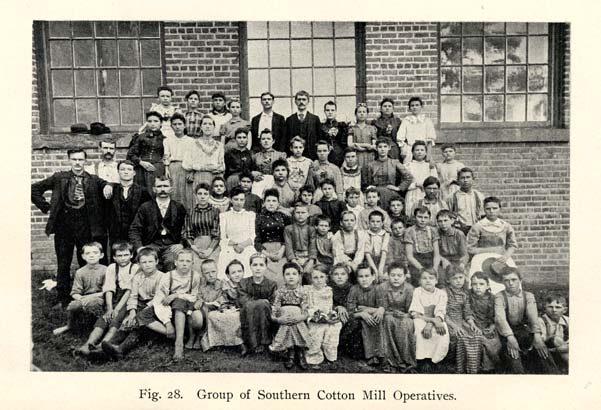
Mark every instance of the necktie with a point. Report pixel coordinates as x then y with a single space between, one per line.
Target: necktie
301 117
78 194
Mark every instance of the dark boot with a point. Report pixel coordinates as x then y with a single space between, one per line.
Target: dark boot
289 363
118 352
300 357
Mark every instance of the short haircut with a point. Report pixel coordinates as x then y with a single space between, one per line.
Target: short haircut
397 265
348 150
396 198
76 151
421 210
122 246
147 251
189 251
218 178
380 141
323 142
372 190
307 188
445 212
322 218
231 101
511 270
300 204
178 116
556 297
271 192
429 271
395 221
364 266
482 276
153 114
320 267
385 100
257 255
161 178
329 103
415 99
204 117
418 143
325 181
493 199
345 213
265 131
218 94
343 266
206 262
125 162
164 88
431 181
233 262
280 163
107 141
453 270
245 174
351 191
376 213
302 93
237 190
448 145
291 265
92 244
297 139
191 93
269 94
465 170
202 185
239 130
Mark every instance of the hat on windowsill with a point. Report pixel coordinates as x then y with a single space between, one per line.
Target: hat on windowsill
79 129
98 128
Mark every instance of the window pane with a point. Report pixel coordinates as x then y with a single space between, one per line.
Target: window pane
254 106
149 28
82 29
516 50
147 103
538 28
450 82
322 29
516 28
472 28
257 53
151 53
345 81
346 108
344 29
494 107
60 54
106 29
258 82
494 50
62 83
323 52
107 53
87 110
450 29
472 79
108 83
280 82
472 108
537 107
130 82
301 53
472 50
538 76
83 51
64 113
516 108
151 79
127 28
494 28
494 79
538 49
300 29
131 111
60 29
345 52
450 51
256 29
109 111
128 53
516 79
324 81
318 103
279 29
450 110
84 83
301 80
279 53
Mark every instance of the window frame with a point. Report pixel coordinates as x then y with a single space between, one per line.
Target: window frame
42 55
555 84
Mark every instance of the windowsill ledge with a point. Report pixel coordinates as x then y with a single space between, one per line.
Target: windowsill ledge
495 135
67 140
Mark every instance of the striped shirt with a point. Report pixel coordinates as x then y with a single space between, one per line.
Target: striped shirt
202 222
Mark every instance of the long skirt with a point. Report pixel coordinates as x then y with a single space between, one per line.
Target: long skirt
468 351
373 340
222 329
324 342
177 176
400 341
350 343
199 176
365 158
228 254
386 195
255 323
202 242
412 198
259 187
291 335
146 178
434 348
232 181
476 265
274 269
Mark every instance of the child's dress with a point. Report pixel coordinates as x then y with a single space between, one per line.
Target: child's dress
148 147
293 303
430 304
324 336
373 336
325 254
223 323
298 171
420 171
351 178
350 343
423 247
364 134
238 226
175 149
447 174
222 204
255 301
381 123
483 308
399 331
205 159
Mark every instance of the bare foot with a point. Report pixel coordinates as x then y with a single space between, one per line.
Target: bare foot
179 352
83 350
170 330
190 343
196 345
60 330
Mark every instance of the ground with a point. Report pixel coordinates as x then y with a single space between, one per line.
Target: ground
55 353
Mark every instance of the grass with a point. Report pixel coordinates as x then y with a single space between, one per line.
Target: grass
55 353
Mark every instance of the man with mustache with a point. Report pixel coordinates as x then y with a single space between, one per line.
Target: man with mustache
106 168
271 120
303 124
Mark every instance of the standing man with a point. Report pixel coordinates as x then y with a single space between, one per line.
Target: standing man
159 224
106 168
76 215
304 124
270 120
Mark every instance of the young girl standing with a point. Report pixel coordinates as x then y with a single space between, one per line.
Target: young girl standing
193 115
147 152
362 136
447 171
421 245
219 198
420 169
175 149
387 126
228 130
298 164
290 311
416 126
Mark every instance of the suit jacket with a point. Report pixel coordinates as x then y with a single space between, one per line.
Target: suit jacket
278 130
148 222
59 184
137 195
309 130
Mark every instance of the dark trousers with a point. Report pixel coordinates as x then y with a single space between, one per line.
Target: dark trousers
529 358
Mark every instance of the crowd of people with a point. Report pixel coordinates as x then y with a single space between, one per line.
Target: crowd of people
303 238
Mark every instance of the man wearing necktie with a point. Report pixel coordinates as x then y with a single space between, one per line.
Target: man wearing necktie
303 124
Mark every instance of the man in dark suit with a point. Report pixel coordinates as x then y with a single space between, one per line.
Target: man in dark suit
304 124
270 120
76 215
159 224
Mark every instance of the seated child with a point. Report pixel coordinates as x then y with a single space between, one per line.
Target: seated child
354 201
299 238
323 242
554 325
428 310
238 159
421 245
483 306
223 323
350 344
116 288
87 287
251 201
376 246
517 322
452 246
322 169
372 196
256 294
262 163
331 206
144 286
298 164
219 198
348 244
287 194
466 203
324 322
398 325
364 304
306 197
396 209
290 311
351 172
432 199
396 245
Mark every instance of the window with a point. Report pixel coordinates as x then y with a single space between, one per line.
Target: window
318 57
495 73
101 71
